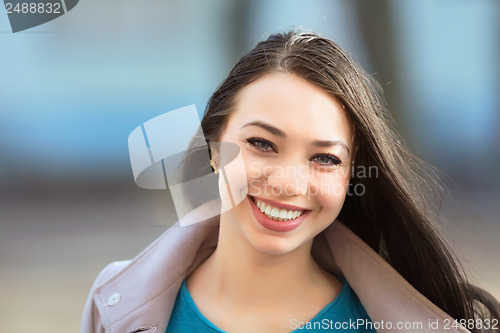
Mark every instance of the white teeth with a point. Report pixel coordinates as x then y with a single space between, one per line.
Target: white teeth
276 213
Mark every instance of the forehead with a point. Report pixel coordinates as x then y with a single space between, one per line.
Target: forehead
296 106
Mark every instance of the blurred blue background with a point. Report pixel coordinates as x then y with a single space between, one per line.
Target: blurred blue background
73 89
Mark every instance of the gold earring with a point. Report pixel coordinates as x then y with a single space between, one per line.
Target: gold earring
214 166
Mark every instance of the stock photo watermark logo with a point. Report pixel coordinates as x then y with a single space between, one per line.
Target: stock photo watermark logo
25 14
293 180
170 152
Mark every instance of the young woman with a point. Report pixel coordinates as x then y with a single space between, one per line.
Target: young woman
336 231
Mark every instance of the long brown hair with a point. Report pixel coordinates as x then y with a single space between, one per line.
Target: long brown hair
394 215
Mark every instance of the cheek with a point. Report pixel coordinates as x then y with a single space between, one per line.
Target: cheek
331 192
256 169
233 182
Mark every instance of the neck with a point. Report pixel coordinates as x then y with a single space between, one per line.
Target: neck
237 271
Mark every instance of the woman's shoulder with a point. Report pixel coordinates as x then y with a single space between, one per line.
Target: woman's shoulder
133 286
109 271
91 321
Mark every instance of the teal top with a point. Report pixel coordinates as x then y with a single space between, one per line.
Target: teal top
345 313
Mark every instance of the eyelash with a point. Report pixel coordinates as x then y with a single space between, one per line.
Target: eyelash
332 158
254 141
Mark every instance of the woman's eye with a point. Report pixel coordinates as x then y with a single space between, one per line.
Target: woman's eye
262 144
327 160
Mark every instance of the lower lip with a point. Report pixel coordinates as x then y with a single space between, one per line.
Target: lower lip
271 224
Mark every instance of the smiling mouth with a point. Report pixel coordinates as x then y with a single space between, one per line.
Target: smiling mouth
275 213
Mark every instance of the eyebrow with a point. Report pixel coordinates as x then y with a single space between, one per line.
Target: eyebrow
279 133
270 128
330 143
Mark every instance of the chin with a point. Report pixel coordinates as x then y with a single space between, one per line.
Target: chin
271 243
275 247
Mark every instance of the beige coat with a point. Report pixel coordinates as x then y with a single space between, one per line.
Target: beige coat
138 295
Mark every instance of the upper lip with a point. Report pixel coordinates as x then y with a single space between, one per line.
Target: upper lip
280 205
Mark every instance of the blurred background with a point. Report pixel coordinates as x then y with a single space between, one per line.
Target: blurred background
73 89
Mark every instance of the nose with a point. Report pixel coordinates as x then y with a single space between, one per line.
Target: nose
288 180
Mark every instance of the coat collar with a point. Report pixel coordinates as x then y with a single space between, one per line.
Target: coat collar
148 285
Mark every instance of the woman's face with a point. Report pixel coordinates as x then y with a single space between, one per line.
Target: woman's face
296 142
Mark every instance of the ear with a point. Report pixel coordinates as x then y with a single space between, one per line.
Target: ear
214 155
214 152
